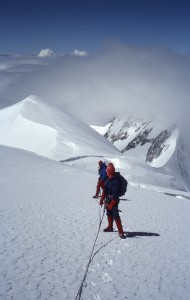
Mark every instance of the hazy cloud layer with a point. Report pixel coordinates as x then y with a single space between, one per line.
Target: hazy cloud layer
121 79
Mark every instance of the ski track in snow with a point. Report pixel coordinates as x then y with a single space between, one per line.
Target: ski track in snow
44 249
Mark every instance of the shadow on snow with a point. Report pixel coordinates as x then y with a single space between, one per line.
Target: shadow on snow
136 234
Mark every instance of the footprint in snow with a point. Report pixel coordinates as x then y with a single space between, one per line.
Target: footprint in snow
106 277
96 297
92 269
110 262
93 283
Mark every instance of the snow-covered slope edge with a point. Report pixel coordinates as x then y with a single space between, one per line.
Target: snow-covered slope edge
37 127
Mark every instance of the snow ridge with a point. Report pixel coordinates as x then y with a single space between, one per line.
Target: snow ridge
33 125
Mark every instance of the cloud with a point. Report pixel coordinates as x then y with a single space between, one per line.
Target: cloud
119 80
79 53
46 53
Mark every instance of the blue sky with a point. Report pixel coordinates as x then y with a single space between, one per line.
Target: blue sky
64 25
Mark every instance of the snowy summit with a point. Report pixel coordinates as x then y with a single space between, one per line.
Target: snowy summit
35 126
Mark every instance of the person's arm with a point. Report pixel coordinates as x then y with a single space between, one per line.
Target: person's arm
104 194
112 204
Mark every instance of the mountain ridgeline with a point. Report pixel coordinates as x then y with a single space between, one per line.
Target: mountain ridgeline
151 143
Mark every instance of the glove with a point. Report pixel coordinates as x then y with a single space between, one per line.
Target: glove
102 199
112 204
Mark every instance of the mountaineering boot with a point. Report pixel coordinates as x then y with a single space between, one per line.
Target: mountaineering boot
95 197
119 227
109 228
121 235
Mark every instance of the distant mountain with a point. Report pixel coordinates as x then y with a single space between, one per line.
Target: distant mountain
151 143
37 127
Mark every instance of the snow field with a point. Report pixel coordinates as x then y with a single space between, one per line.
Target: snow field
48 224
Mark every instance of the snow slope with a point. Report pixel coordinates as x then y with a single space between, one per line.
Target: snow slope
34 126
48 224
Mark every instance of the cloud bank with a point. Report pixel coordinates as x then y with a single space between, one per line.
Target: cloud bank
119 80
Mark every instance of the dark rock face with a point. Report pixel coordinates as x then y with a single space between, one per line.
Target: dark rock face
141 131
141 139
122 134
158 146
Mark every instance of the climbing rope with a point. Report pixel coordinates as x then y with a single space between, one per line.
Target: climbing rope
78 296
